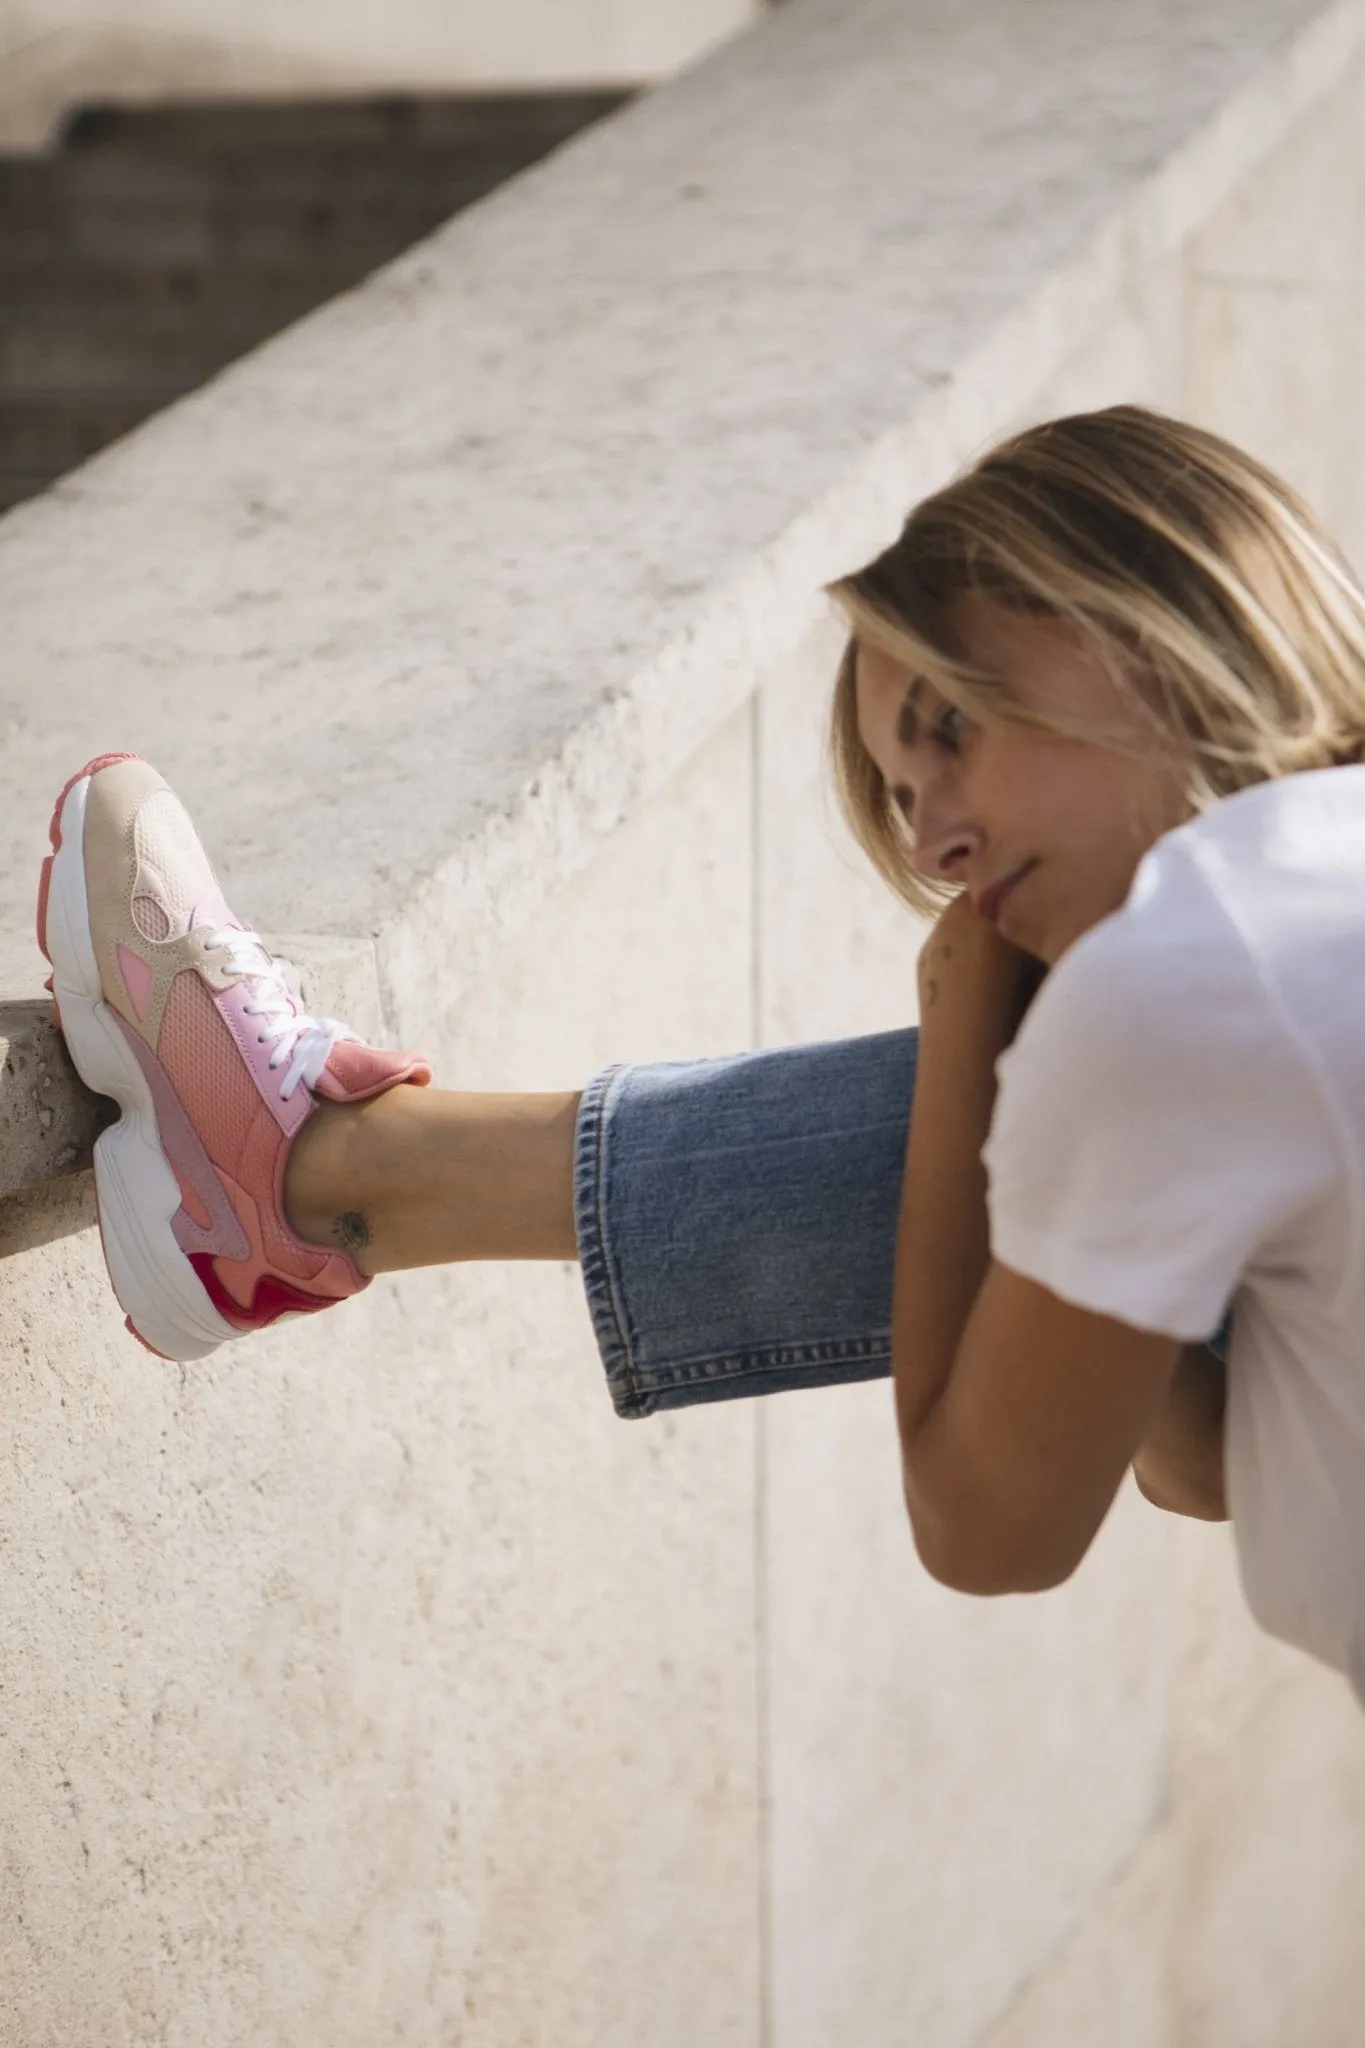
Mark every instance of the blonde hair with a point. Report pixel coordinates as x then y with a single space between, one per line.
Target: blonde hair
1199 577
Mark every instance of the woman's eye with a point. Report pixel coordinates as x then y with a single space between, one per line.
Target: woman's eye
950 728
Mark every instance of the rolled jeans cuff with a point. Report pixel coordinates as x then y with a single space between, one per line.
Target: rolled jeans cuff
736 1219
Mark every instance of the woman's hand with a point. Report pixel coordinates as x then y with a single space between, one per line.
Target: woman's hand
968 972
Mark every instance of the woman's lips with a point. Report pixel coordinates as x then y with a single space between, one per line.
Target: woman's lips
991 901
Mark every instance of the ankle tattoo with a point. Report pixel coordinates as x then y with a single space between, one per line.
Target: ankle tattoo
351 1232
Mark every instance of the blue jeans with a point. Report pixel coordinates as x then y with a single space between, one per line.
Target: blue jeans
737 1219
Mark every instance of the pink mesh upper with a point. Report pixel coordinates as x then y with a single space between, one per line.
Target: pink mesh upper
261 1162
206 1070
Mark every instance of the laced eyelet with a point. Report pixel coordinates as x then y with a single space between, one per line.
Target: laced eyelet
298 1041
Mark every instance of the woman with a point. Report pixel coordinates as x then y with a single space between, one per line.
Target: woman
1102 707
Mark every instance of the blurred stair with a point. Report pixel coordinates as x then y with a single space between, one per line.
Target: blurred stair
156 244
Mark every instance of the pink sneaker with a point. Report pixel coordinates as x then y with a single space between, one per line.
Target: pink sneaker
169 1005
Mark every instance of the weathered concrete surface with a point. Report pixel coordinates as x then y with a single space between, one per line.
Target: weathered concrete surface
48 1119
1276 301
486 602
1236 1923
372 1684
577 465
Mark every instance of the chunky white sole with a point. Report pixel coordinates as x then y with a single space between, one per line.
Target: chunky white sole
158 1289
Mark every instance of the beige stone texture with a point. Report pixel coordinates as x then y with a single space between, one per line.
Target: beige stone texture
1225 1666
371 1683
1276 298
1133 354
835 950
1108 1982
1236 1924
48 1119
1276 369
946 1781
1268 1882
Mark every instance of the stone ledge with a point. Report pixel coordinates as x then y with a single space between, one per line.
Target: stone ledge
421 601
49 1120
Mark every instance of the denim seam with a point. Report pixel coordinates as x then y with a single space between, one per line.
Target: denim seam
600 1283
772 1358
743 1385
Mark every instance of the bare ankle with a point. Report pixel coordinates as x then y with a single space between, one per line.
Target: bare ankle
322 1200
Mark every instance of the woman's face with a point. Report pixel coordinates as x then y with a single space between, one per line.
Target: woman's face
1044 833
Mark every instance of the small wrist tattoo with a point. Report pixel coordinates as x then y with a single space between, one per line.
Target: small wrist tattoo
351 1231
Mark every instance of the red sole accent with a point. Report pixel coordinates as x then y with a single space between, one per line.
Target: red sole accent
271 1298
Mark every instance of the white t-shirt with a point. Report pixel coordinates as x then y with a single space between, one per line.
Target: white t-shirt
1181 1121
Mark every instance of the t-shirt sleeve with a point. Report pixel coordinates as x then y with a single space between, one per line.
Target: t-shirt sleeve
1157 1129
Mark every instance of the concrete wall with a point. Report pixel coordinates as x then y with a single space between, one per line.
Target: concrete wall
372 1683
56 53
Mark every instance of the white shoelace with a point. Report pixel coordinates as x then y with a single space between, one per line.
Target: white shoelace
306 1042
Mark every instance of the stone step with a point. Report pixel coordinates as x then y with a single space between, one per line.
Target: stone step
380 122
45 432
197 294
16 486
141 178
154 221
261 183
157 244
53 354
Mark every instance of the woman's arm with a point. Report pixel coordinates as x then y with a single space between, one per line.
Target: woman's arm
1179 1465
1018 1414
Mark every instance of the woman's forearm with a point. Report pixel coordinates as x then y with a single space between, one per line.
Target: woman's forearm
944 1243
1180 1464
1019 1413
970 1003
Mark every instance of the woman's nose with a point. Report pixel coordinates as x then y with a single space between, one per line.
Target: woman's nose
944 840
